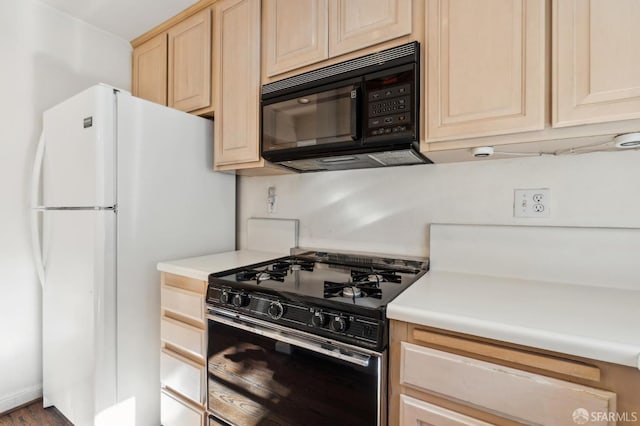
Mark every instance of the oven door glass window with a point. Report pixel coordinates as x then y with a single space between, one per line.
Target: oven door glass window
255 380
320 118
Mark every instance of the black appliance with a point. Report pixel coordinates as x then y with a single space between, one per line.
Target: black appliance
303 339
360 113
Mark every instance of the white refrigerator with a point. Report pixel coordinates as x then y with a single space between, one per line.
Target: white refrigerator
125 184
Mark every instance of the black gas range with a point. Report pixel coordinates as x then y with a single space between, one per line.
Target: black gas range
335 295
290 340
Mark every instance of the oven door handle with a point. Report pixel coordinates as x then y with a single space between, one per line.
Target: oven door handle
348 355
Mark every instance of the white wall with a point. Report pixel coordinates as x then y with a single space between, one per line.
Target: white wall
46 57
389 210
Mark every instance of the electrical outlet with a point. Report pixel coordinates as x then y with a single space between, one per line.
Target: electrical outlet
538 198
532 202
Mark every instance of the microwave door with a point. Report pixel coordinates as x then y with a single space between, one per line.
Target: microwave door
324 117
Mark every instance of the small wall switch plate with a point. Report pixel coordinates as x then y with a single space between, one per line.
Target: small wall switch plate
532 202
271 199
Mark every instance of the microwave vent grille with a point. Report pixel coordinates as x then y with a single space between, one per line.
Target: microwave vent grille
378 58
396 158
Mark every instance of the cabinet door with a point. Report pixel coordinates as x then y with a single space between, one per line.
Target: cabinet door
150 70
596 58
415 412
356 24
190 63
295 34
485 72
237 81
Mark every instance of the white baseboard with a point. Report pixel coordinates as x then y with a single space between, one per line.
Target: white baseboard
7 402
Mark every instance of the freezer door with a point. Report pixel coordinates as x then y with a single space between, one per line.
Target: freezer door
79 318
80 149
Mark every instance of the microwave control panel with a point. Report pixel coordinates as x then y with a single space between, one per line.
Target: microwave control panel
390 106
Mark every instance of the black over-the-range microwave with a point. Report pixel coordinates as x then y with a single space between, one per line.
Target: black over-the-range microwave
356 114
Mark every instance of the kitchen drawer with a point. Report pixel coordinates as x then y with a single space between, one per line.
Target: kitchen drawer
515 358
183 302
180 281
175 412
184 336
415 412
507 392
214 422
183 376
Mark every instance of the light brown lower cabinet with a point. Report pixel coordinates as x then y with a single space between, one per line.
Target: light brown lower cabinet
416 412
178 412
184 337
444 378
183 352
184 376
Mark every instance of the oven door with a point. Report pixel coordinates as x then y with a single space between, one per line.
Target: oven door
315 121
260 373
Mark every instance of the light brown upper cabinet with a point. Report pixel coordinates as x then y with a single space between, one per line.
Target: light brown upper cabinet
172 62
303 32
150 70
295 33
356 24
190 63
485 67
237 82
596 61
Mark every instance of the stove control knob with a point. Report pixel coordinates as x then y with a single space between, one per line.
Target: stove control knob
318 319
239 300
224 297
275 310
339 324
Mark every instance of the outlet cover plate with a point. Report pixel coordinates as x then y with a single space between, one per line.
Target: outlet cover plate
532 202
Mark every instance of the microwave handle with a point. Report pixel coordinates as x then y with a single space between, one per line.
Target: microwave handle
355 112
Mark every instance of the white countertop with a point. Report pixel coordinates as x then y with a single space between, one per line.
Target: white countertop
200 267
588 321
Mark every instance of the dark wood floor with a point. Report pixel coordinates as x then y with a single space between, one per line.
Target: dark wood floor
33 414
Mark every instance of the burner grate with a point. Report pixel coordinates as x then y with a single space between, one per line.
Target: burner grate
376 275
260 275
293 264
352 289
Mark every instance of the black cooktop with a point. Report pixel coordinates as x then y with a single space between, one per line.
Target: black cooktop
328 278
334 295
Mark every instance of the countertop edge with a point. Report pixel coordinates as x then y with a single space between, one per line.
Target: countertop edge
185 272
601 350
200 267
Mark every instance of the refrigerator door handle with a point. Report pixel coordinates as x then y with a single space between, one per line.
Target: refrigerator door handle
36 242
77 208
